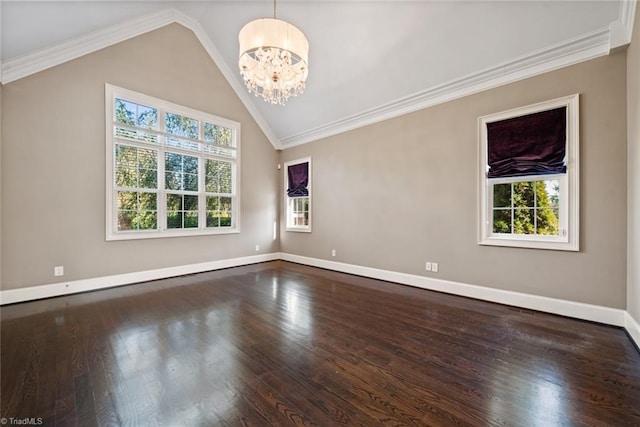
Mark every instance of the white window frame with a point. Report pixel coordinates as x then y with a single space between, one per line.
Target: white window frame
112 232
569 202
288 200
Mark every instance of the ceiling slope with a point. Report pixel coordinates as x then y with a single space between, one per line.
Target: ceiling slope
327 111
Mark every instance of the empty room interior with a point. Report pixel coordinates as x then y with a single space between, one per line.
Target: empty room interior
320 213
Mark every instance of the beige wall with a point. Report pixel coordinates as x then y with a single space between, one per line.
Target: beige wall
633 121
1 186
396 194
53 163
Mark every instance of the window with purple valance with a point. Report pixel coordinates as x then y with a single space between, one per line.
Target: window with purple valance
298 176
533 144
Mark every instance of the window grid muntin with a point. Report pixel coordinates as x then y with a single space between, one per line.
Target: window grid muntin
561 208
227 152
298 212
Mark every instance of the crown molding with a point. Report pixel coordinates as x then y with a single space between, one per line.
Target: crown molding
41 60
621 30
570 52
573 51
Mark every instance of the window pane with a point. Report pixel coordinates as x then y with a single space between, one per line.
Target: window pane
523 194
225 177
547 222
190 182
211 178
148 202
548 193
218 211
125 177
137 210
127 200
148 178
219 176
218 151
502 221
132 114
218 134
174 219
213 219
126 155
172 162
225 204
190 203
126 220
213 203
191 220
181 125
133 134
174 202
502 195
182 143
125 112
148 220
147 159
129 171
190 164
147 117
524 221
298 211
175 178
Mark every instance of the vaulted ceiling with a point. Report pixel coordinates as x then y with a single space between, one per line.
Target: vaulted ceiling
368 61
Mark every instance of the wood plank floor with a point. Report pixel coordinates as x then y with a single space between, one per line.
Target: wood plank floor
283 344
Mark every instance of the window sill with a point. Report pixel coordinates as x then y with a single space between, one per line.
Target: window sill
167 234
530 243
299 230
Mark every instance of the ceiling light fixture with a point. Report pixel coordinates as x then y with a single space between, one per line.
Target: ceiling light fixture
273 58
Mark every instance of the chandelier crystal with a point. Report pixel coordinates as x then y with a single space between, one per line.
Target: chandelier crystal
273 59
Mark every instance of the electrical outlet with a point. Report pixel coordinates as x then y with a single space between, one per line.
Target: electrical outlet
427 266
58 271
333 252
434 267
257 248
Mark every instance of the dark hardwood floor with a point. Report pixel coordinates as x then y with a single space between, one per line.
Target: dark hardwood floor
279 343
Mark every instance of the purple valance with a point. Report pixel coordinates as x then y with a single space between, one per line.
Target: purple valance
298 180
534 144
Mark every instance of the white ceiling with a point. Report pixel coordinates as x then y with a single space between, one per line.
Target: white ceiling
368 60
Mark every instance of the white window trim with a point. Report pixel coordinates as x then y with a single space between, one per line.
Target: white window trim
568 240
299 228
111 93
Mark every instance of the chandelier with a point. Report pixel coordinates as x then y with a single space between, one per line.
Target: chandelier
273 59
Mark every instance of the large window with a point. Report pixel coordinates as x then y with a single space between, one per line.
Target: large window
171 170
529 176
297 181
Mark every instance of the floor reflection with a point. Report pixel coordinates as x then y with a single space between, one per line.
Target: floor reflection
540 390
297 311
164 368
548 397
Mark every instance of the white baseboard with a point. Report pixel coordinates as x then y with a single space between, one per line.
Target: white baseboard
65 288
633 328
594 313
